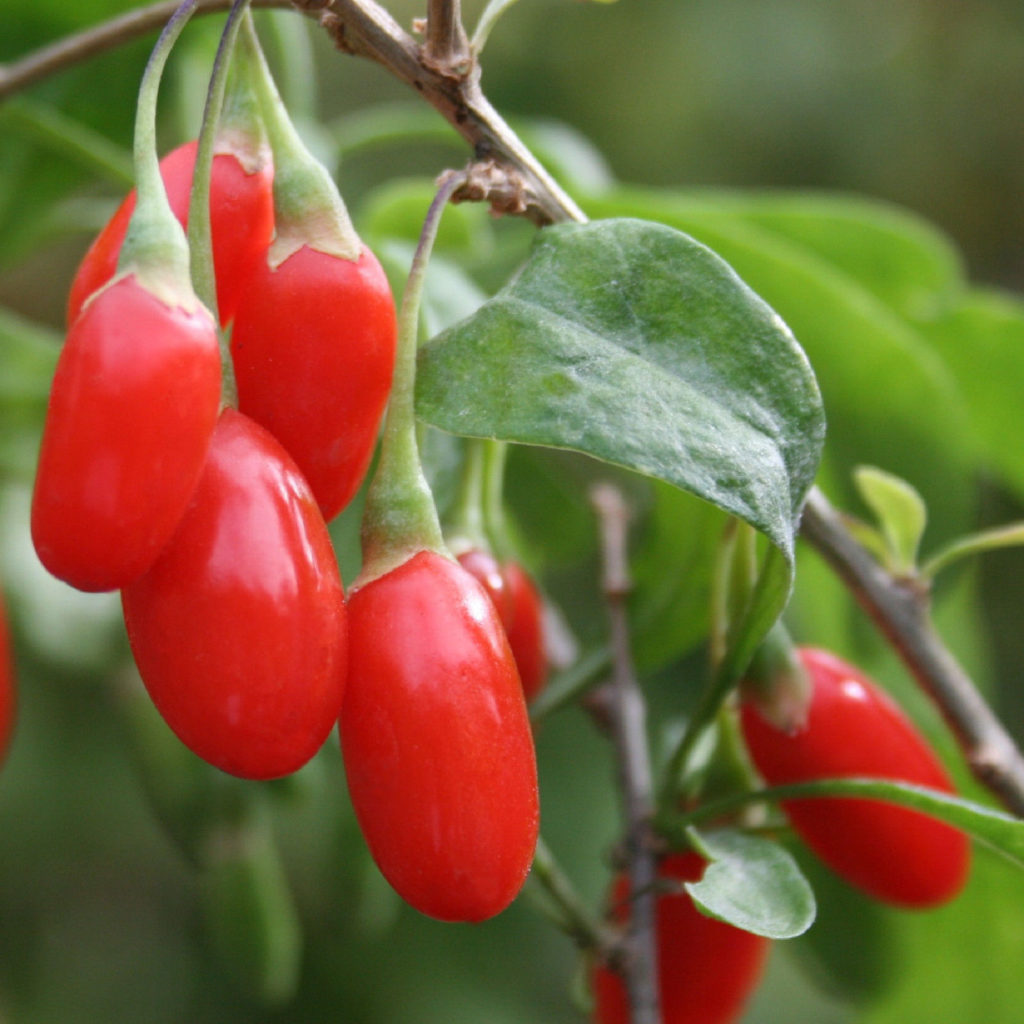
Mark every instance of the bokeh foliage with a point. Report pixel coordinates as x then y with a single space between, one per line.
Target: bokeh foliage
700 106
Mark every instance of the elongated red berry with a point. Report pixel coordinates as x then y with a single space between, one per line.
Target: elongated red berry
242 223
853 728
239 629
314 348
707 969
521 612
526 630
132 407
436 741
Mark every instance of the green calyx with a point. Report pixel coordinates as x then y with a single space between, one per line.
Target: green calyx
778 683
308 210
155 250
400 517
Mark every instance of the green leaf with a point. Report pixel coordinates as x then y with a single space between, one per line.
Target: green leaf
1009 536
754 884
982 341
902 259
632 343
900 512
881 379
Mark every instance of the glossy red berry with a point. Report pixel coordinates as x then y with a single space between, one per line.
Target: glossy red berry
521 612
7 685
853 728
489 574
706 969
242 224
526 630
436 741
314 348
132 407
239 629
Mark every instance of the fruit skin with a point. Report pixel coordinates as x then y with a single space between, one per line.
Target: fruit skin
131 411
521 612
239 629
242 224
853 728
526 630
706 969
313 347
8 698
436 741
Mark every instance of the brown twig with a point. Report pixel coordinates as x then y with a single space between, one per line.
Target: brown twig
446 48
91 42
512 177
900 609
627 716
364 28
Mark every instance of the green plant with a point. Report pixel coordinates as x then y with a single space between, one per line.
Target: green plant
674 360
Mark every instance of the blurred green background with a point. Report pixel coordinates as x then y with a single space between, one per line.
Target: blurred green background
919 103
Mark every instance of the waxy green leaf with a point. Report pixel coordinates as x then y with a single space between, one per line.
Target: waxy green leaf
630 342
754 884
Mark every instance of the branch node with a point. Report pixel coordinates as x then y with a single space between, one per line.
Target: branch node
498 184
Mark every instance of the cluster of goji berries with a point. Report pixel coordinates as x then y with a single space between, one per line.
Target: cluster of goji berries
849 728
209 515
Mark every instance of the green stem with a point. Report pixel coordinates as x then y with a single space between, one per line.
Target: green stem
308 211
1011 535
571 914
493 498
155 239
200 231
491 13
400 517
724 677
467 529
718 640
200 234
675 826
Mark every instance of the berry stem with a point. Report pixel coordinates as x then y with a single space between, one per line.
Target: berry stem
567 907
468 529
400 517
155 241
307 207
493 497
200 234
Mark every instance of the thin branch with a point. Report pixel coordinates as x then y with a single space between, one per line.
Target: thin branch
627 715
98 39
446 48
900 610
572 914
505 173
